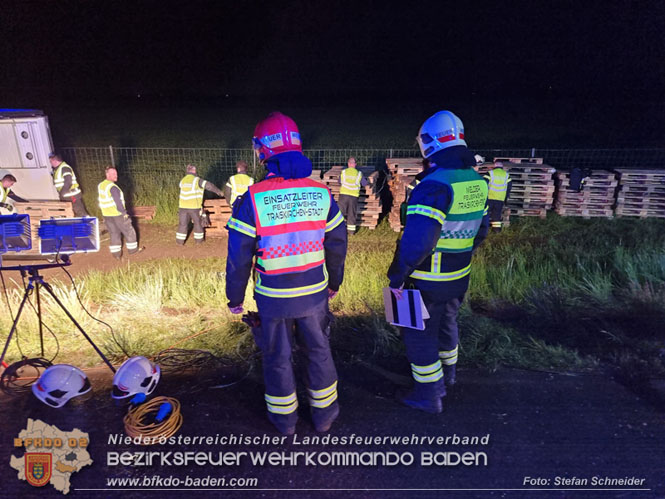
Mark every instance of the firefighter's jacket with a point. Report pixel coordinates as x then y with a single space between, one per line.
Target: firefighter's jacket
447 218
292 228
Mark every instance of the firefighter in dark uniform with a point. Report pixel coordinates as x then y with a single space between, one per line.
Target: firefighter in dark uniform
293 227
66 184
499 184
118 223
446 220
189 205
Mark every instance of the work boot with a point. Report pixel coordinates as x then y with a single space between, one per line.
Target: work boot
281 425
424 396
117 256
324 426
138 250
449 375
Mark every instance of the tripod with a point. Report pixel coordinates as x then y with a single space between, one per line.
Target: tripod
36 282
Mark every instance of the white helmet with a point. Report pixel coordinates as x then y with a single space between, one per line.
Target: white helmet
136 375
59 383
479 159
440 131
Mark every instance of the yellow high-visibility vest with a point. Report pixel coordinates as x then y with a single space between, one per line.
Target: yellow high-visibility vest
59 180
239 184
106 201
191 193
350 180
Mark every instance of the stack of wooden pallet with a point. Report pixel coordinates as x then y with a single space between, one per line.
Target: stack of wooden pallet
595 200
402 172
316 175
532 192
219 212
39 210
369 202
641 193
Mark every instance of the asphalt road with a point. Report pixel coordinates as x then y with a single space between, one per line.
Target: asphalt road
537 425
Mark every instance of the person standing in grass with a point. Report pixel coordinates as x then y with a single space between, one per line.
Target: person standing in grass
351 180
66 184
189 205
297 233
499 184
446 220
237 184
112 204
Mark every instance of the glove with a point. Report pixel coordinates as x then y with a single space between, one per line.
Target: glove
6 206
236 310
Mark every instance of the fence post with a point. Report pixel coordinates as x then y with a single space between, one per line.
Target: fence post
111 153
533 152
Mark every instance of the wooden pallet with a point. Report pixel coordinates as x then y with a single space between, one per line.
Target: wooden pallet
219 212
528 212
143 212
584 212
623 211
535 161
630 175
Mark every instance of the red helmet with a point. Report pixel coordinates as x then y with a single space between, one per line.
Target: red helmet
276 134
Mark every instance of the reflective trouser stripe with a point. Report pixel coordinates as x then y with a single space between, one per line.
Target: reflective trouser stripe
448 357
282 405
115 248
132 246
71 193
323 398
427 374
350 227
497 223
180 236
198 235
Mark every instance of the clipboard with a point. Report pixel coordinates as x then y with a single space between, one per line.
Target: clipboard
409 311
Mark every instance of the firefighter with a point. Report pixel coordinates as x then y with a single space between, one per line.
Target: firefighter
66 184
297 233
112 205
238 183
350 180
499 184
446 220
6 194
189 205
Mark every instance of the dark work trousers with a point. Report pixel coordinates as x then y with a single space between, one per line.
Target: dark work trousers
78 207
496 214
184 216
276 338
436 346
348 205
120 226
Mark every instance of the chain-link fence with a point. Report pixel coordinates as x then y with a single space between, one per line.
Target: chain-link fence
221 162
150 176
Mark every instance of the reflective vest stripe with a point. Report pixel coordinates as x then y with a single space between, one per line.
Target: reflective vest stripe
241 227
191 192
337 219
441 276
350 180
427 211
4 195
295 263
106 201
292 292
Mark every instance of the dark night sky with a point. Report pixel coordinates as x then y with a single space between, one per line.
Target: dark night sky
84 50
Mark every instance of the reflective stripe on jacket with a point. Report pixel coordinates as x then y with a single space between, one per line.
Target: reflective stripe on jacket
350 180
239 184
191 192
497 180
106 201
459 224
59 180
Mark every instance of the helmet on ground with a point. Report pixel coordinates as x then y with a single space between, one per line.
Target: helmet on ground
479 159
276 134
440 131
135 375
59 383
